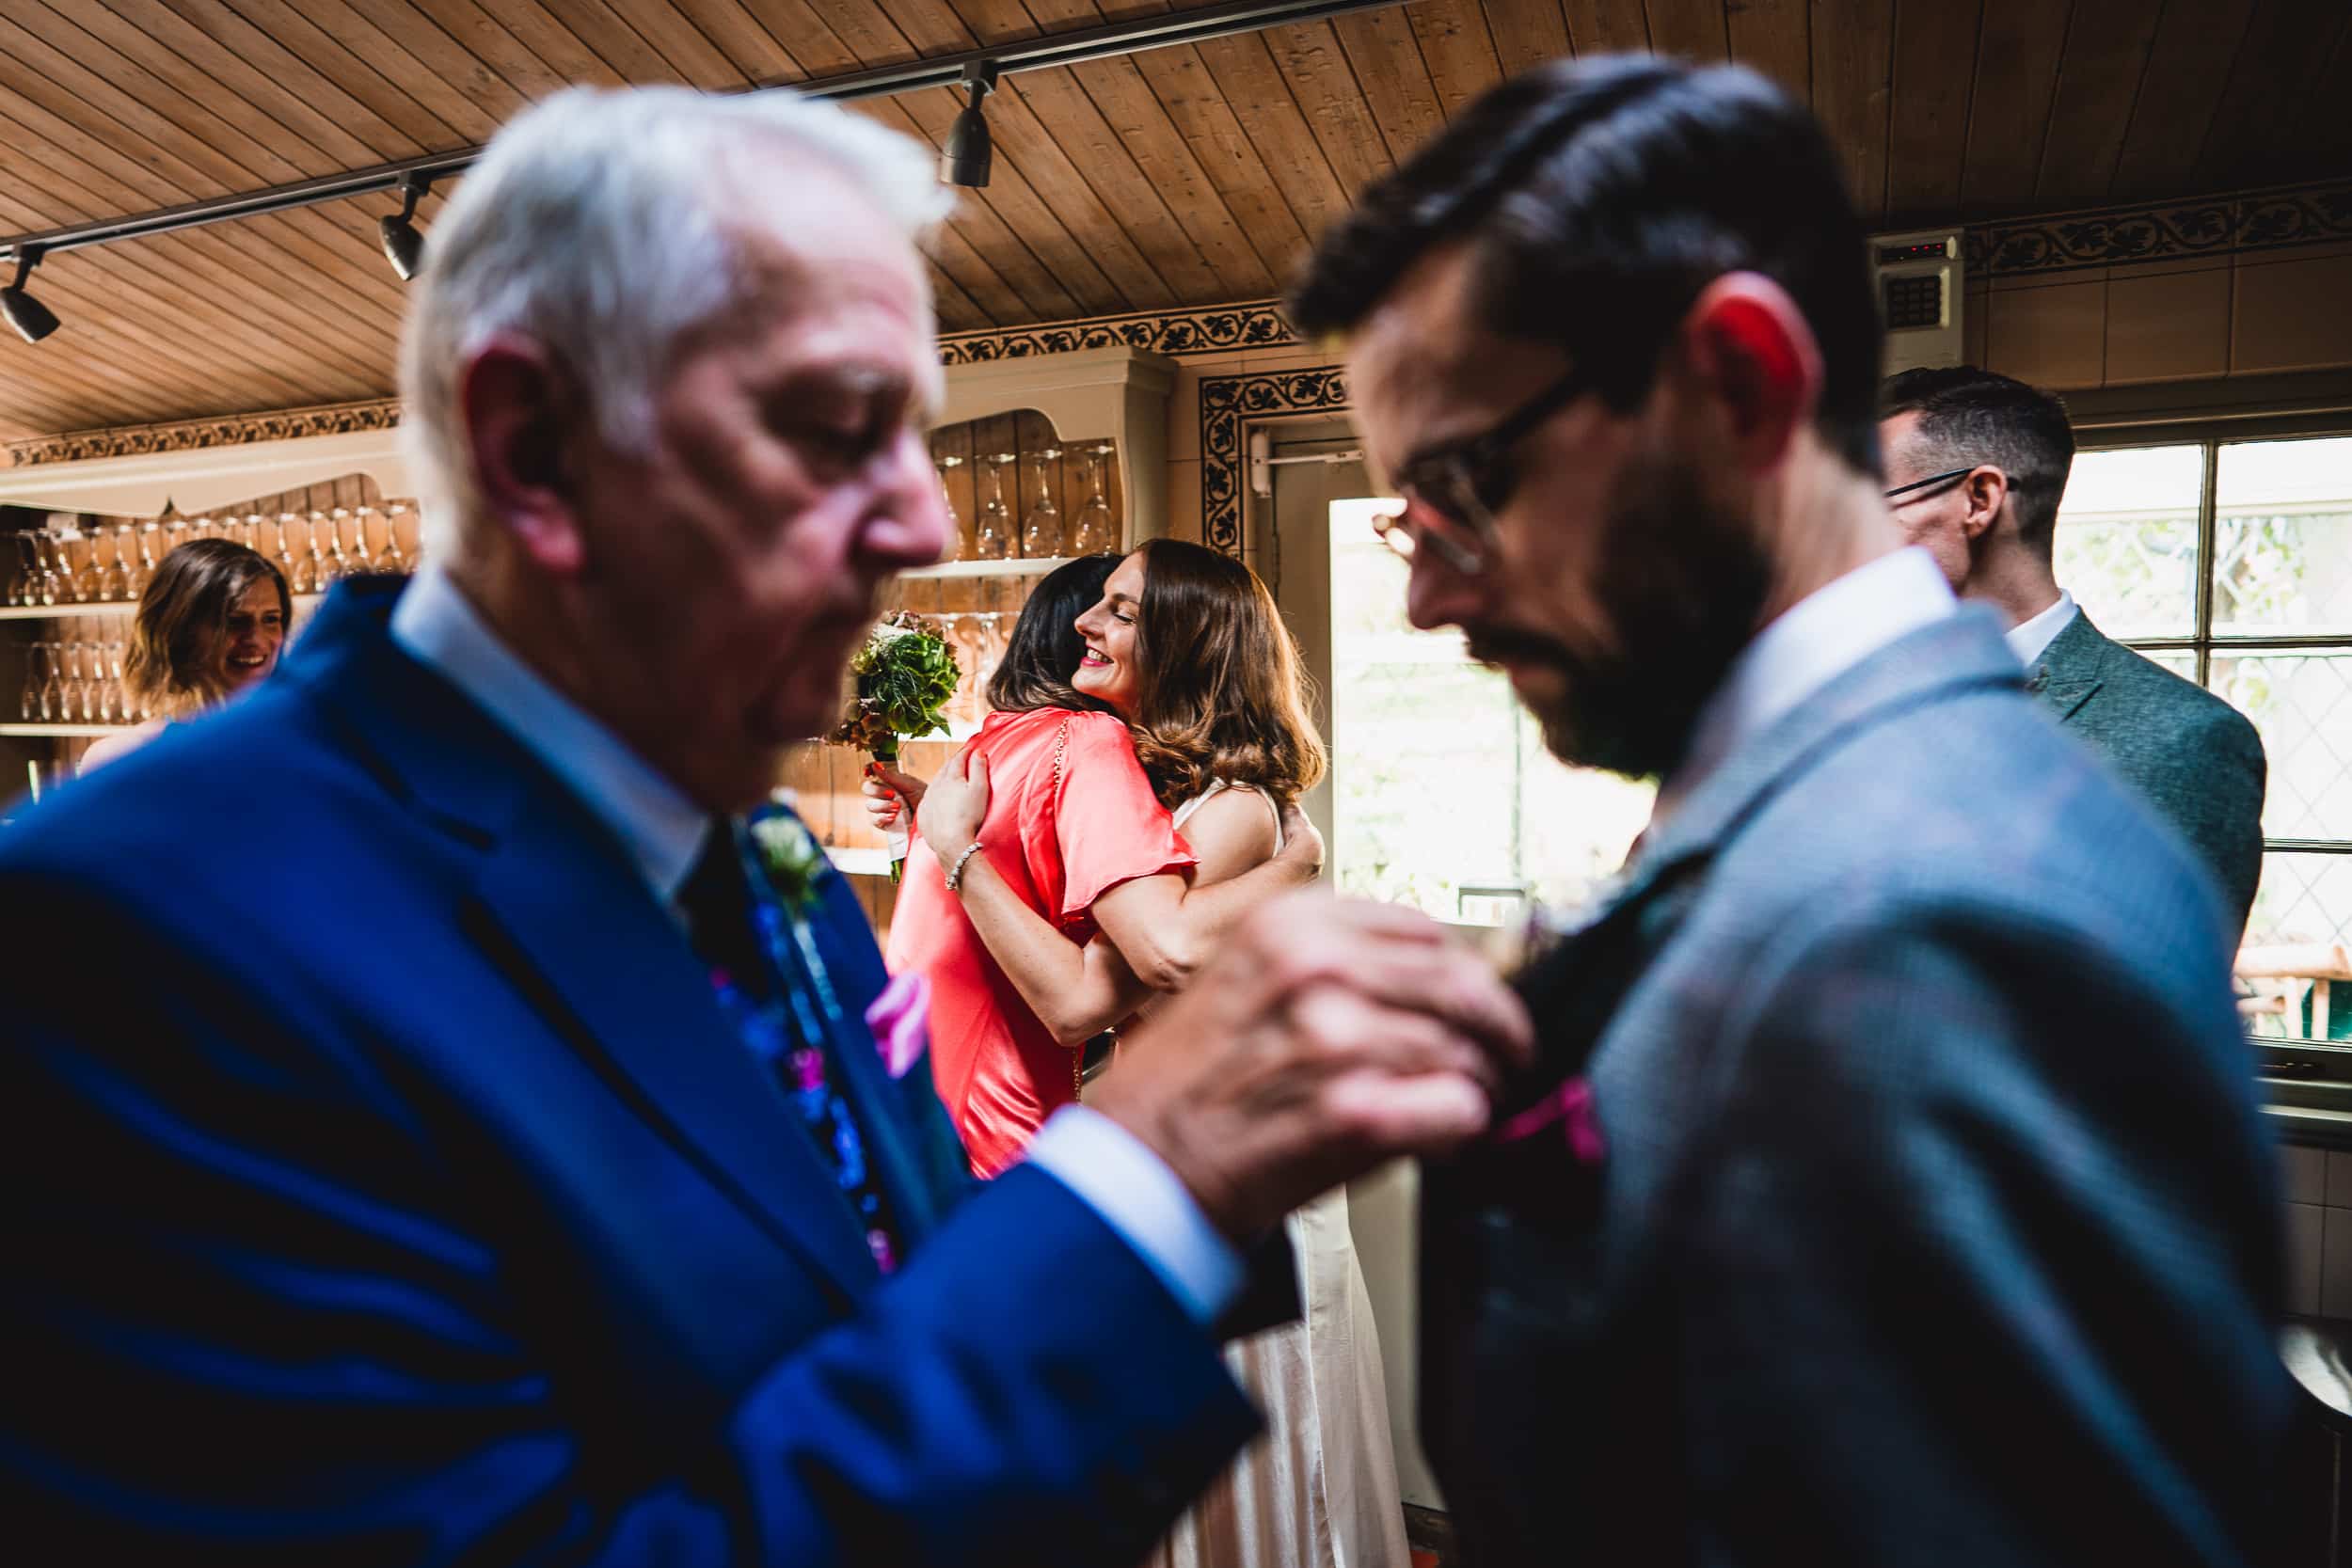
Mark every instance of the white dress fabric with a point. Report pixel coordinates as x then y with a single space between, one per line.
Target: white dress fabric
1318 1488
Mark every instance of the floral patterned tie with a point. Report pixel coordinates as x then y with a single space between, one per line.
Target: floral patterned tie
780 1027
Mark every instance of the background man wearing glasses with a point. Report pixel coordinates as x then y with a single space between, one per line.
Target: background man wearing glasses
1976 465
1889 1189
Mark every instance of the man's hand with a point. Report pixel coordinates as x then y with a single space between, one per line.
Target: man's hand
1301 854
889 792
1326 1038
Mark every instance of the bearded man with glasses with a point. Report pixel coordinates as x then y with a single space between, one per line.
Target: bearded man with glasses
1976 463
1889 1188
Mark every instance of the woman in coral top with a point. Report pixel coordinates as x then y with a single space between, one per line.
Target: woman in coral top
1073 831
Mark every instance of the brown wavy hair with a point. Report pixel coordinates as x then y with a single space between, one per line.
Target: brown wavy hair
1220 690
183 613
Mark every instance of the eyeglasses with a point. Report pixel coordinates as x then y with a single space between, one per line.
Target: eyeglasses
1460 487
1944 478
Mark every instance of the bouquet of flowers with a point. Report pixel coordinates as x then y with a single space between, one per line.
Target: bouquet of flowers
906 674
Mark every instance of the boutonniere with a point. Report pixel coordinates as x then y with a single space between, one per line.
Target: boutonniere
1565 1114
792 858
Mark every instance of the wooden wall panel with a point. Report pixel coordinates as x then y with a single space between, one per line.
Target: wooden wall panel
2017 62
1391 74
1697 30
1853 61
2107 51
1607 27
1188 176
2188 65
1927 135
1776 38
2286 48
1527 33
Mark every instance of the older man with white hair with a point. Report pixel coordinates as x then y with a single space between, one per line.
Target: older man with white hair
498 1148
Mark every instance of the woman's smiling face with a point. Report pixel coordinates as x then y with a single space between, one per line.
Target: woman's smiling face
250 636
1108 671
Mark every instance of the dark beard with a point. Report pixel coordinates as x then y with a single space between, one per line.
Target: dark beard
1684 584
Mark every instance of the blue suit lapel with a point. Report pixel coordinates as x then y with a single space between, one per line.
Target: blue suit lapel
558 908
620 976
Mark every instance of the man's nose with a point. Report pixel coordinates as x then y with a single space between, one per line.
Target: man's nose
911 527
1438 595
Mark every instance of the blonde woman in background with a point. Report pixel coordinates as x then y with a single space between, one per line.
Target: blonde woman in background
211 623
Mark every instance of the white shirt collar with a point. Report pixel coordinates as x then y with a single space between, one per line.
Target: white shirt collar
1811 643
2030 638
661 829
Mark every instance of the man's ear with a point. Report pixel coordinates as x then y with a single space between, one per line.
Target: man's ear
523 417
1986 491
1753 351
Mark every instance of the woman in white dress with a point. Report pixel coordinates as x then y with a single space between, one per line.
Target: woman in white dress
1188 647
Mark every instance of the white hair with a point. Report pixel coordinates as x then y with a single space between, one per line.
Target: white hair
603 224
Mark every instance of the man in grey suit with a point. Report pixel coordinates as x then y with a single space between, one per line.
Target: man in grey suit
1976 463
1889 1188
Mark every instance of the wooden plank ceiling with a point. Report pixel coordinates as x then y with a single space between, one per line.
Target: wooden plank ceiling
1183 176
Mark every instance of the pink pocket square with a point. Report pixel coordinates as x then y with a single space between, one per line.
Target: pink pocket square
1569 1108
900 1018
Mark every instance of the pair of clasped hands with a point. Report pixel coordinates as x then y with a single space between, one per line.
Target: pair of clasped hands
1326 1036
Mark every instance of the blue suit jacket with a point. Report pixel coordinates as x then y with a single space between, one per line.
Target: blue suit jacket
1935 1222
387 1187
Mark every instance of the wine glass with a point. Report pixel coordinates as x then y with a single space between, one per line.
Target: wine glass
338 564
947 467
69 688
175 533
1097 531
395 559
320 573
24 588
31 707
284 556
122 578
55 575
53 685
970 638
362 550
147 553
1041 530
993 540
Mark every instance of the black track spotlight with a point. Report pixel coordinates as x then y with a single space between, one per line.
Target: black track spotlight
403 246
967 159
32 320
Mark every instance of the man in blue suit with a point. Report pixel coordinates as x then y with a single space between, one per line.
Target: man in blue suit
441 1130
1892 1189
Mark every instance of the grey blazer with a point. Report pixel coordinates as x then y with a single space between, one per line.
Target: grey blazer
2193 756
1933 1223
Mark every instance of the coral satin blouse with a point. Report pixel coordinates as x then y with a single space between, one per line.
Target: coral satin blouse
1059 846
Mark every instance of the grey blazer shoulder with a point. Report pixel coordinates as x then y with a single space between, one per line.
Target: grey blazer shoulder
2188 753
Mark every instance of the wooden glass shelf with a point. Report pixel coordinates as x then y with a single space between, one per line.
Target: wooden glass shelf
64 729
1019 566
96 606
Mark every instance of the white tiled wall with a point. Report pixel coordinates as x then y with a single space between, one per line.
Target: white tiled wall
2319 1231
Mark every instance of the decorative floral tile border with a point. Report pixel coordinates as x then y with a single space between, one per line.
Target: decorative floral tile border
2123 235
1229 405
233 429
1219 329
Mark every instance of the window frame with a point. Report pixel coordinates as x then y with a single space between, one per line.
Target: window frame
2317 1073
2211 434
